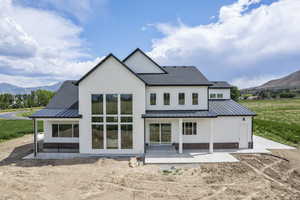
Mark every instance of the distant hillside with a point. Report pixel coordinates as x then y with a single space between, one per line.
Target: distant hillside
291 81
12 89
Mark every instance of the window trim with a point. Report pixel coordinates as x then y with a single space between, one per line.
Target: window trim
194 128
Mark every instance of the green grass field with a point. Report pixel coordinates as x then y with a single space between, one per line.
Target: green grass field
278 120
10 129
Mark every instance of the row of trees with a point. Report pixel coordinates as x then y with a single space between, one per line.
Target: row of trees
34 99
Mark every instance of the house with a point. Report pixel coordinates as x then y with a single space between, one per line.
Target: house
122 107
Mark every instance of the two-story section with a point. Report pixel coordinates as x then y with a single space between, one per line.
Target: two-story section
124 107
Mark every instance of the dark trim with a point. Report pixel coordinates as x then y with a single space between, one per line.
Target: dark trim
149 73
54 117
138 49
178 116
34 139
55 145
250 145
244 115
101 62
212 87
167 84
176 110
228 145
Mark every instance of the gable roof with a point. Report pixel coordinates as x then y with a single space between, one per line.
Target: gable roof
103 61
176 76
220 85
139 50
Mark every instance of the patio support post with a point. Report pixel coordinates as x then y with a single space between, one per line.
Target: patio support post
35 145
211 139
180 135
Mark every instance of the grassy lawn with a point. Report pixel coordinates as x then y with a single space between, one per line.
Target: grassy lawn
10 129
28 112
278 120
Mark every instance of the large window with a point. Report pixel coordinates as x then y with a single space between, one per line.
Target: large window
181 99
195 98
97 104
152 99
166 98
189 128
65 130
113 129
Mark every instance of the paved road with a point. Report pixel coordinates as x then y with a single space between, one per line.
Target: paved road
13 115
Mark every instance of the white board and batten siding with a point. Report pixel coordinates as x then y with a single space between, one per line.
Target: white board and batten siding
111 78
174 91
225 92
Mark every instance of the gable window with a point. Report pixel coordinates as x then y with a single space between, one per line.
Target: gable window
189 128
181 99
220 96
212 96
166 98
113 127
152 99
195 98
65 130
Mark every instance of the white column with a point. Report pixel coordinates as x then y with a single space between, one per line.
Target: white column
211 139
35 137
180 135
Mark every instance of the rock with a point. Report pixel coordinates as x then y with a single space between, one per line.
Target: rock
133 162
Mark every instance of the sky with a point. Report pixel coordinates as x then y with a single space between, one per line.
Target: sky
244 42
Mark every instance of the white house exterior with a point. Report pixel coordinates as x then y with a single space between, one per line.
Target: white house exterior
123 107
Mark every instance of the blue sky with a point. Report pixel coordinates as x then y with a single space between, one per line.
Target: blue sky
245 42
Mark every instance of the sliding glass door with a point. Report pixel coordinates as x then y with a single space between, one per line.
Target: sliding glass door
160 133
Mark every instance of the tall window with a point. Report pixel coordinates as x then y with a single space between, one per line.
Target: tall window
166 98
181 99
220 96
152 99
195 98
116 123
65 130
189 128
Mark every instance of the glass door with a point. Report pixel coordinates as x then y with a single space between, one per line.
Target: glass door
160 133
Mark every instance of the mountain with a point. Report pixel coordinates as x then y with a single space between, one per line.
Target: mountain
13 89
291 81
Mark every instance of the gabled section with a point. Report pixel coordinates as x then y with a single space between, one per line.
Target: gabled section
140 63
103 61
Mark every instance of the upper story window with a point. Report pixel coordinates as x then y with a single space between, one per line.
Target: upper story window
220 96
166 98
212 96
181 99
152 99
195 98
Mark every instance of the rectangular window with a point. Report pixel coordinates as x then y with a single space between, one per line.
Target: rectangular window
195 98
97 119
152 99
65 130
126 104
112 104
166 98
220 96
112 136
97 104
76 130
112 119
97 137
212 96
189 128
181 99
126 136
54 130
126 119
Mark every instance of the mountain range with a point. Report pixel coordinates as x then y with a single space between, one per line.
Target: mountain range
291 81
13 89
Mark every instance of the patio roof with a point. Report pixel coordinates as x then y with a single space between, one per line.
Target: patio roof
56 113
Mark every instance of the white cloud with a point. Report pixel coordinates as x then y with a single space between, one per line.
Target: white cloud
243 42
37 42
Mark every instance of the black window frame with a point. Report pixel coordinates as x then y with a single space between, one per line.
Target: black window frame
181 98
166 99
193 99
152 99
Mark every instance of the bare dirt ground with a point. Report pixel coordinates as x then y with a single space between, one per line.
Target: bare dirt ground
255 177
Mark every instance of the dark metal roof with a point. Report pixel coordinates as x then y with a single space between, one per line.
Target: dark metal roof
229 107
220 85
56 113
66 97
178 114
176 76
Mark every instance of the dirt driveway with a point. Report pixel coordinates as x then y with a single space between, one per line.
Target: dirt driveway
255 177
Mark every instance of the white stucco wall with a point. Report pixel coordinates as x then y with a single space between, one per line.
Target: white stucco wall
111 78
226 130
48 132
174 91
225 92
141 64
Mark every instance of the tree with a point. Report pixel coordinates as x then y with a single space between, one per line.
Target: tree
235 93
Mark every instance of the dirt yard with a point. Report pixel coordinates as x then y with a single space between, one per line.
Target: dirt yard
255 177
